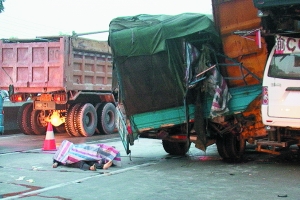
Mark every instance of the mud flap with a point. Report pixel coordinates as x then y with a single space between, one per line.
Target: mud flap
122 129
199 122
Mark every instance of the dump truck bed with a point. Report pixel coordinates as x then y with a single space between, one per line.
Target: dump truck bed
54 64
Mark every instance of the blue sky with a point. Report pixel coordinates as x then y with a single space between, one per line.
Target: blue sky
31 18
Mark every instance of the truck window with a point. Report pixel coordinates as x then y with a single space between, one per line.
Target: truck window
286 66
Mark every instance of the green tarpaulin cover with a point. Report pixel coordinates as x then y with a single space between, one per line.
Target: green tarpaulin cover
147 34
150 57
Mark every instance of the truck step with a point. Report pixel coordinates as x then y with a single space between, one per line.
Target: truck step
271 146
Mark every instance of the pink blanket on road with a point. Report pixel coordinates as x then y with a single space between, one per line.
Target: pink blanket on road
69 153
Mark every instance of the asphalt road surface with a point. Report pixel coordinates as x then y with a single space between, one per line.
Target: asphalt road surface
148 173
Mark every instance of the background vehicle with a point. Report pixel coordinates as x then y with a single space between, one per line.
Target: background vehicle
280 107
248 36
1 113
66 81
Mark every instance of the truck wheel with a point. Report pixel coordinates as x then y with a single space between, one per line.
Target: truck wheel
176 148
107 116
23 118
70 120
221 147
234 147
38 123
86 120
60 129
98 127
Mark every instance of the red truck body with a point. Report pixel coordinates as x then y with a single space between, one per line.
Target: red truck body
63 63
58 74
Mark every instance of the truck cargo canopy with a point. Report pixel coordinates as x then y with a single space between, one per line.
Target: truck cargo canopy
147 34
150 57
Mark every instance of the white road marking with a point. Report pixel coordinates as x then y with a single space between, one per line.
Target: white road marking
77 181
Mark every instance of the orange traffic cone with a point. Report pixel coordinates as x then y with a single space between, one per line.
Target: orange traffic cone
49 143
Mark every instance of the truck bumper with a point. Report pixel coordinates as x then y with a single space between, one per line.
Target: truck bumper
278 121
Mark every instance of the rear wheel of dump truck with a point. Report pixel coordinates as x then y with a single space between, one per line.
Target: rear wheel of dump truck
97 106
23 118
60 129
106 118
86 120
38 123
70 120
176 148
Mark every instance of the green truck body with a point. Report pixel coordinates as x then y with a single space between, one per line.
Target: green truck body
169 82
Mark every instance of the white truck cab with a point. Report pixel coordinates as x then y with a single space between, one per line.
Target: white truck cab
281 85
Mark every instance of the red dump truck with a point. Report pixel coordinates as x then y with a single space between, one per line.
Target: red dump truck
1 114
64 80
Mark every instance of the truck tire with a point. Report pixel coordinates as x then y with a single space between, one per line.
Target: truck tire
23 118
86 120
70 120
234 148
221 147
176 148
38 123
107 116
60 129
97 131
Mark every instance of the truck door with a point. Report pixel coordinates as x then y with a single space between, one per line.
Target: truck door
122 129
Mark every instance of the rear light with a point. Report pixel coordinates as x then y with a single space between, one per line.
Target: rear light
17 98
265 95
179 137
59 97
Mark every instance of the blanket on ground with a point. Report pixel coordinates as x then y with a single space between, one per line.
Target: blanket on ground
69 153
